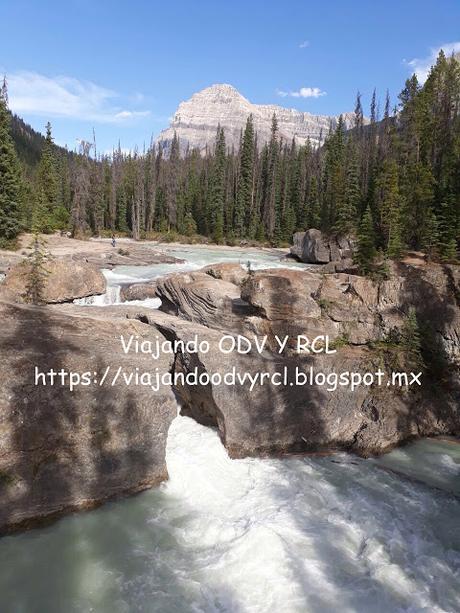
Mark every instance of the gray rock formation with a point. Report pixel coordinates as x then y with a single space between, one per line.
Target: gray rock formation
227 271
64 281
131 254
199 297
60 450
195 121
359 314
138 291
314 247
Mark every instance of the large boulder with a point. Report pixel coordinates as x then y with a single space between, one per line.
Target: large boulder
344 265
199 297
63 450
350 304
228 272
63 281
363 319
231 272
138 291
314 247
272 418
283 294
434 291
304 302
357 308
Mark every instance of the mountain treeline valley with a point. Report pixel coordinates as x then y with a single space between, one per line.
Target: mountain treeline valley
392 181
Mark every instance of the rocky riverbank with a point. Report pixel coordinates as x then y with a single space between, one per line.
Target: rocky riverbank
363 318
62 450
98 252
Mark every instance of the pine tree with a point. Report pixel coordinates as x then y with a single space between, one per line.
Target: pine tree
37 273
260 233
333 176
389 208
447 236
347 209
244 195
366 251
48 183
122 210
10 176
299 187
288 222
395 241
217 189
271 197
412 341
193 206
161 220
41 222
419 198
429 239
81 191
189 224
313 205
172 185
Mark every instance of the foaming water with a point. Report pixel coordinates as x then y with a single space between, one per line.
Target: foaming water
194 259
198 257
317 535
111 296
433 461
325 534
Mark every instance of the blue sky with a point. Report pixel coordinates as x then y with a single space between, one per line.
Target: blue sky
123 67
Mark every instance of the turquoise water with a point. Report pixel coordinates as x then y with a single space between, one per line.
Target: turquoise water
313 534
327 534
195 258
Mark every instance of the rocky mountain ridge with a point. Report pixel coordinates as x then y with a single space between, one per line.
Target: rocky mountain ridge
195 121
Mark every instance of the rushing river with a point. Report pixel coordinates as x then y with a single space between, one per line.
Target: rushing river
321 534
194 259
317 534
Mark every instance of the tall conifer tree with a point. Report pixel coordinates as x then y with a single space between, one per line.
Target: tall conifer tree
10 176
245 191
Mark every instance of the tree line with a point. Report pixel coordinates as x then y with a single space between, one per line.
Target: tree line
393 181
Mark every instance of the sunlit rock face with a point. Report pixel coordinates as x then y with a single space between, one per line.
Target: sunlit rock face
195 121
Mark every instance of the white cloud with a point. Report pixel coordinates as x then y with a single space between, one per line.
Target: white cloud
129 114
303 92
36 94
422 66
304 43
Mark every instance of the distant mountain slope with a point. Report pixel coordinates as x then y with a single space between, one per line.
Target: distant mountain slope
196 120
29 144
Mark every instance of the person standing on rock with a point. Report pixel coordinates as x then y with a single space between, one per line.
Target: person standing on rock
114 242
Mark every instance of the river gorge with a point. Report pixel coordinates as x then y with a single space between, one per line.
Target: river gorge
254 535
292 534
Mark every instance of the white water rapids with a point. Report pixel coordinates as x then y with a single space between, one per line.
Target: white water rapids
320 534
195 258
